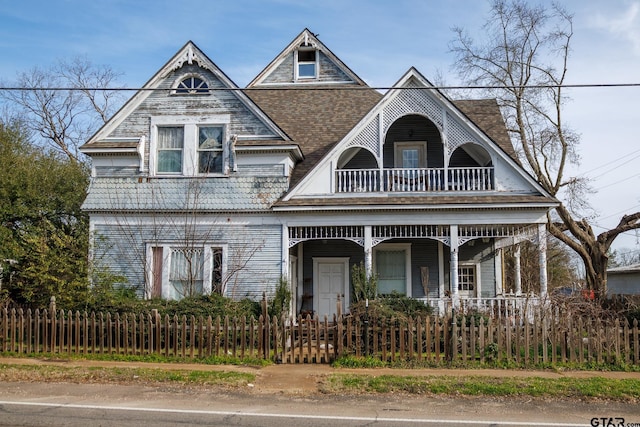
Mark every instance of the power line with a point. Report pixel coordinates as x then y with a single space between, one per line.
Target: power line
322 88
626 156
618 213
616 182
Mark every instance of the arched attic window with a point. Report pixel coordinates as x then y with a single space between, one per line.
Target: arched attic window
192 85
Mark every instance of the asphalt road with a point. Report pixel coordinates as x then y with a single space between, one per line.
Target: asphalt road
60 404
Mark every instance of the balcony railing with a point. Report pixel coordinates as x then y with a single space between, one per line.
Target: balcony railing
414 180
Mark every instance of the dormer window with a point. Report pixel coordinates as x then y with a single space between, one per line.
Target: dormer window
307 63
192 85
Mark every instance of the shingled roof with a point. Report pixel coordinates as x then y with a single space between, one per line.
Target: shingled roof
485 113
317 118
407 201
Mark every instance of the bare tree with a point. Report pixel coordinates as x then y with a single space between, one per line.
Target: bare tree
141 223
65 103
524 64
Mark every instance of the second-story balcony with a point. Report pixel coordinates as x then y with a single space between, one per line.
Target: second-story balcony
414 180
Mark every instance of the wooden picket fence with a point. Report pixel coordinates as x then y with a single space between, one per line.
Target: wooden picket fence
545 337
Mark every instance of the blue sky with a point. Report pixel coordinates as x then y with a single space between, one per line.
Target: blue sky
377 39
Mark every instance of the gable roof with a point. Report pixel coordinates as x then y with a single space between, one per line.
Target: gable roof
306 38
188 54
318 118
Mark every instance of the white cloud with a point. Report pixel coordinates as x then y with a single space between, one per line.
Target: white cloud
624 25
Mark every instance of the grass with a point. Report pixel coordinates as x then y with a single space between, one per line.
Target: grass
123 375
149 358
428 361
574 388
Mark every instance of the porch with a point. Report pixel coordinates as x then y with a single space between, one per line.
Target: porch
447 266
414 180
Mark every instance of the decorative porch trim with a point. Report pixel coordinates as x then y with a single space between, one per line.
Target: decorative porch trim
301 234
441 233
471 232
380 233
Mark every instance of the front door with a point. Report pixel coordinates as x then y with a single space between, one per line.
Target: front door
330 281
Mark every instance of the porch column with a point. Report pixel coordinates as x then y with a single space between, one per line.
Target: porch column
498 267
368 251
284 270
542 248
516 256
453 272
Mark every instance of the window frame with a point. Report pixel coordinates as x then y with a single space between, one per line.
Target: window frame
190 152
400 146
159 150
220 150
164 270
406 247
299 63
475 268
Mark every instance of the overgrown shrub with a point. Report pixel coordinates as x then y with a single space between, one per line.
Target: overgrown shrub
363 287
279 302
395 306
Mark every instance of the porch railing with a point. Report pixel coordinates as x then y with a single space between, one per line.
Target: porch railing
414 180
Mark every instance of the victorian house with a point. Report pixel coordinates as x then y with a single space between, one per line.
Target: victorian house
201 186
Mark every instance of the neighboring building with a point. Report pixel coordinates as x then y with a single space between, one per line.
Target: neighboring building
198 186
623 280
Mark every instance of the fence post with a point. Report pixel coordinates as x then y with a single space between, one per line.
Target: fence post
266 336
366 327
453 336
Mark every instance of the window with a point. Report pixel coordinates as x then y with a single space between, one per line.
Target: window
179 271
467 279
392 263
210 150
189 145
307 63
410 155
192 85
170 146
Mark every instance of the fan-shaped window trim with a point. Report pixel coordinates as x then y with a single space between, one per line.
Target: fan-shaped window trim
191 85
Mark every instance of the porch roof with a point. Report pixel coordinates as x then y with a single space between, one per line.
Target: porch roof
241 193
414 200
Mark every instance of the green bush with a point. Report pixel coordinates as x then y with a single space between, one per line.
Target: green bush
279 303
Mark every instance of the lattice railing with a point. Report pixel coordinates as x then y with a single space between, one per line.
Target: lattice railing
414 180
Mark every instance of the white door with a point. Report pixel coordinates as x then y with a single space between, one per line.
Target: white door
330 280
